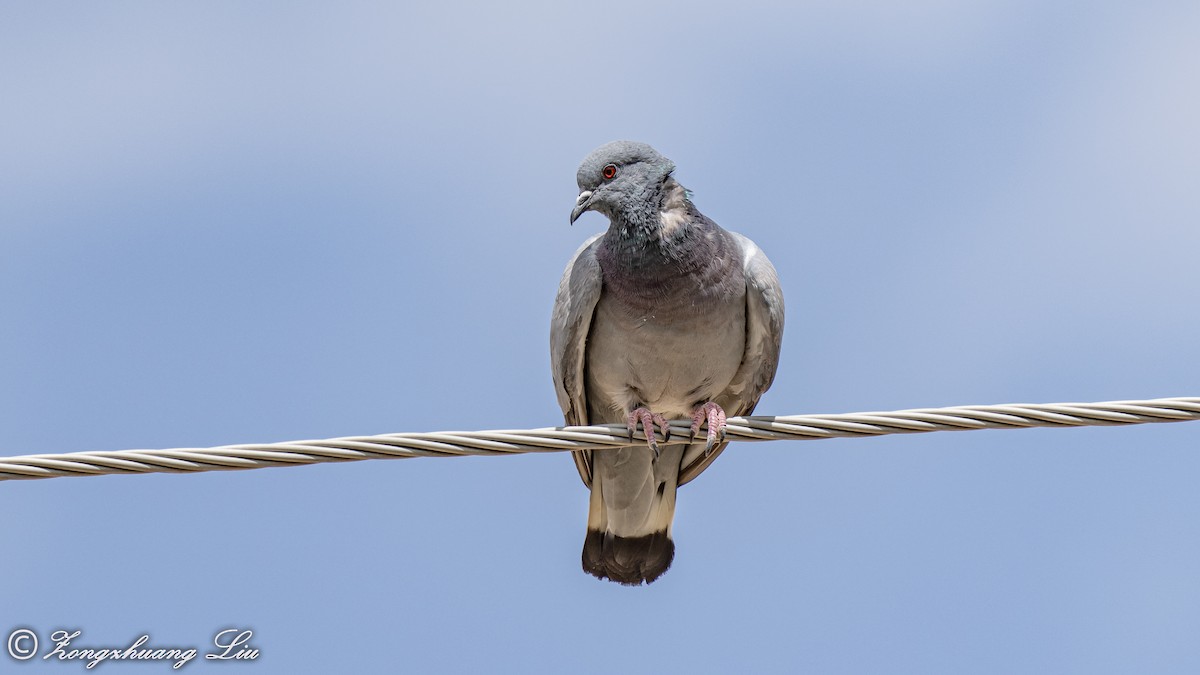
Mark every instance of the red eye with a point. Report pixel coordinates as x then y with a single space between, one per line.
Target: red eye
609 171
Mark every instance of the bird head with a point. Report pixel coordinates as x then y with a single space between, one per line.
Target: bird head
621 179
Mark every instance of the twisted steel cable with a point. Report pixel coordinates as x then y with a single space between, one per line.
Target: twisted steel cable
556 439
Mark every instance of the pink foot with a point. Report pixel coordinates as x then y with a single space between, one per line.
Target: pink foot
713 414
648 420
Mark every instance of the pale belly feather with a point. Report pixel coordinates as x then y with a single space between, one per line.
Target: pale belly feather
668 364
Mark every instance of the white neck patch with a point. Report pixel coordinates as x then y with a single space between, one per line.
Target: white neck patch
674 208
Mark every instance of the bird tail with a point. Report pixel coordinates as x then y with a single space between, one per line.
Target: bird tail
629 520
627 560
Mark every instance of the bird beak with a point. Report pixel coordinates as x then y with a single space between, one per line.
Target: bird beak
583 203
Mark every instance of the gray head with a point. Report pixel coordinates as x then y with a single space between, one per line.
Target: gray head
621 179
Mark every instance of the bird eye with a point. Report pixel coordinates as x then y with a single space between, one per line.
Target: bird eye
609 171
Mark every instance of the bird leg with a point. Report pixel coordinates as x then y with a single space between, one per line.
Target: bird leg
715 416
648 420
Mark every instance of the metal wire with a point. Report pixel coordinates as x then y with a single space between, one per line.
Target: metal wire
556 439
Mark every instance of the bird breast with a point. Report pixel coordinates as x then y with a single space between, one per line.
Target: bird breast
667 355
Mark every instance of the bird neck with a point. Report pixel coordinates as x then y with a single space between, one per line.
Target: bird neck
654 218
664 256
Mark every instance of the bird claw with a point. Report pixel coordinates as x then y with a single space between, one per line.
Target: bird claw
714 415
648 421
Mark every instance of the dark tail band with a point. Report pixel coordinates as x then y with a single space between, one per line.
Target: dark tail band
627 560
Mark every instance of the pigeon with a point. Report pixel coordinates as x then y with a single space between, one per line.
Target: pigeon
663 316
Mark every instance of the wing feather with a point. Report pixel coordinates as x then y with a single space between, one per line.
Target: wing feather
570 322
764 335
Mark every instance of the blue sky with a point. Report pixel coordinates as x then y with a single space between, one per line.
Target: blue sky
228 222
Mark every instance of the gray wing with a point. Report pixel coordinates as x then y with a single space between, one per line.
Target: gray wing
574 306
764 334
